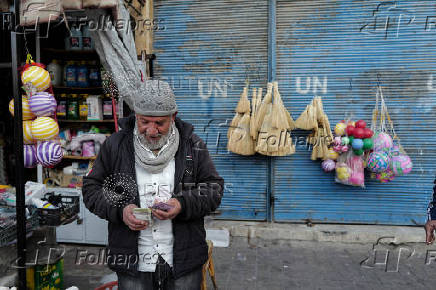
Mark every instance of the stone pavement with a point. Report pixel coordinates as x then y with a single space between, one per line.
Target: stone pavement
283 264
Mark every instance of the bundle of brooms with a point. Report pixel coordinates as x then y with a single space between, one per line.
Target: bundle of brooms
314 118
267 130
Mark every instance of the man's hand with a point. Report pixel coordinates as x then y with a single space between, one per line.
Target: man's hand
170 214
430 226
129 219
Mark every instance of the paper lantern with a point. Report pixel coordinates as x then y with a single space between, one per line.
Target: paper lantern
331 154
49 153
350 130
43 104
27 113
328 165
30 160
358 133
37 76
27 133
358 152
401 164
367 133
44 128
382 141
345 140
378 162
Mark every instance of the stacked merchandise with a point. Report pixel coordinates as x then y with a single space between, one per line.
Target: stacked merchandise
40 129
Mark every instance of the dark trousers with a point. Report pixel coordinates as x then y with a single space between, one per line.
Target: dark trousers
161 279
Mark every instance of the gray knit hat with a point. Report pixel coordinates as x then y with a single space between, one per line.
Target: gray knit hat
156 98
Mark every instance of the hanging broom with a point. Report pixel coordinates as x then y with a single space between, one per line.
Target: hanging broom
240 141
264 106
264 136
241 108
253 115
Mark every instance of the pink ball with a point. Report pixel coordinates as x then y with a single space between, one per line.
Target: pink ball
382 141
401 164
49 153
328 165
43 104
29 156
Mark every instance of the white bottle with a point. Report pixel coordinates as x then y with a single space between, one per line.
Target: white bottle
42 204
55 71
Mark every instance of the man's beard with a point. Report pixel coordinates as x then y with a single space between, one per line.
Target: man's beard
157 144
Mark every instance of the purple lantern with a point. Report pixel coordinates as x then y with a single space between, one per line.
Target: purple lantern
43 104
49 153
29 156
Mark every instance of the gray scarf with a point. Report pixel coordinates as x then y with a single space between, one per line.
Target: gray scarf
145 157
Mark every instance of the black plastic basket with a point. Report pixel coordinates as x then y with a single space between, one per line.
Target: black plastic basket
67 209
8 234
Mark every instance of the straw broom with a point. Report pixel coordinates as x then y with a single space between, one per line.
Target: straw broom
241 108
264 106
263 138
240 141
253 131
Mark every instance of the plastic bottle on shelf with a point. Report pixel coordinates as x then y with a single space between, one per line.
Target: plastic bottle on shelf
87 42
73 41
94 74
71 74
107 108
82 75
55 71
61 111
73 107
83 107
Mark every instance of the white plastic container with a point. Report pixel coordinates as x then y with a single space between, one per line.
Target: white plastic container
55 71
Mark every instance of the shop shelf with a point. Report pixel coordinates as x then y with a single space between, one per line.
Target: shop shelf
85 121
79 157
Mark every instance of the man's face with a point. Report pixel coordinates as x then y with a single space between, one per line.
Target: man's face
154 130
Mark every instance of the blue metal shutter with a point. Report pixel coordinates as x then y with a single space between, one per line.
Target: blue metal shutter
336 49
206 50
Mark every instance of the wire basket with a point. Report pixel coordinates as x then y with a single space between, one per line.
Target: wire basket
67 209
8 234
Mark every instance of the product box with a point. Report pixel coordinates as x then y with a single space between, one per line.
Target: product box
46 276
95 109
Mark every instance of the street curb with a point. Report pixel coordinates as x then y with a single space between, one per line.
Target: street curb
319 232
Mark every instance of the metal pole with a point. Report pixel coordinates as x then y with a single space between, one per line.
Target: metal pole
19 168
271 77
19 157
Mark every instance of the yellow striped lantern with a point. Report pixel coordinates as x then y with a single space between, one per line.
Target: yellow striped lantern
37 76
27 133
44 129
27 113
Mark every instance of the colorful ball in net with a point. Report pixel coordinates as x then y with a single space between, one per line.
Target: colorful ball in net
44 128
401 164
49 153
30 159
37 76
43 104
328 165
27 113
378 162
385 176
27 133
382 141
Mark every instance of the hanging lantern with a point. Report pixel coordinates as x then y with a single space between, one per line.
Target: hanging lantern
49 153
43 104
37 77
44 128
30 160
27 133
27 113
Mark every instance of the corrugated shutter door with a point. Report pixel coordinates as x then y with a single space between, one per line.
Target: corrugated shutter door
336 49
206 50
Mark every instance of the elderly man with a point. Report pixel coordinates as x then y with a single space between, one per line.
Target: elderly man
170 164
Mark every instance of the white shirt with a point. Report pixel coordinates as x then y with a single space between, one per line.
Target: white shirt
158 237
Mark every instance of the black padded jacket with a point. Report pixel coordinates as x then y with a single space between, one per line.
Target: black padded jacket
198 187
